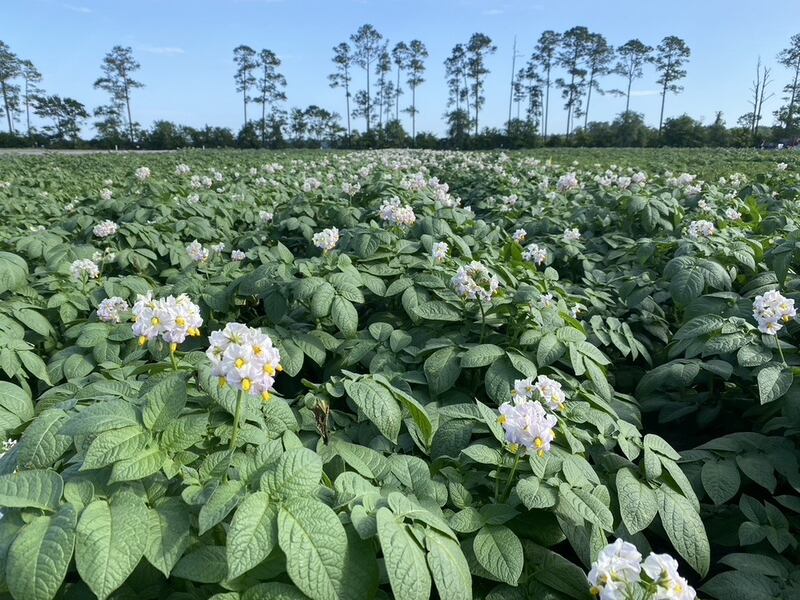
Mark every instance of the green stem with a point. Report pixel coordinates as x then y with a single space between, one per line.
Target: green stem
780 351
483 320
235 435
173 359
507 491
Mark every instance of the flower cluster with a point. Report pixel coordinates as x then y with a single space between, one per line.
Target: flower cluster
701 228
84 267
197 252
545 390
771 310
535 254
326 239
567 182
528 425
106 194
244 358
519 235
237 255
106 256
439 251
571 235
182 169
619 573
142 173
732 214
265 216
473 281
394 213
110 310
105 229
174 319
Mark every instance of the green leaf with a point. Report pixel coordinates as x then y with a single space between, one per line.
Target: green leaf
587 506
322 299
13 272
449 567
721 480
684 529
404 559
774 381
499 551
169 534
16 401
223 500
139 466
37 488
378 405
273 591
437 311
442 369
113 445
111 540
344 316
637 502
315 543
204 565
687 284
549 350
38 559
164 402
42 444
699 326
296 474
253 533
481 355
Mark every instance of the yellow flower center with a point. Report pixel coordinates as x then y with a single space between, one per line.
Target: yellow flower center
257 350
538 442
223 382
155 321
180 322
172 347
240 362
194 332
142 341
502 420
246 384
269 370
265 396
279 368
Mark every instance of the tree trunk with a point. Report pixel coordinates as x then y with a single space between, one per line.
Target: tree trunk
368 96
347 99
413 115
588 100
661 115
477 94
792 97
397 96
628 95
130 121
547 101
263 121
8 112
244 101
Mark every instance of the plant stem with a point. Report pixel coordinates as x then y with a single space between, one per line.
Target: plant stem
780 351
235 435
173 359
483 320
507 491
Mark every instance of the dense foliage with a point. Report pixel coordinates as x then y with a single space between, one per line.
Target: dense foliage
603 305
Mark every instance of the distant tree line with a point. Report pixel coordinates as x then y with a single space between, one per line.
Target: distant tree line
380 84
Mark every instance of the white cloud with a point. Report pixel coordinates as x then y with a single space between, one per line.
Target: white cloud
171 50
644 93
78 9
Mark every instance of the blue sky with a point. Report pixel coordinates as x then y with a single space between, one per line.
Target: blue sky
185 48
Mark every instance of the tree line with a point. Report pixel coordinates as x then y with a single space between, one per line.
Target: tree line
380 82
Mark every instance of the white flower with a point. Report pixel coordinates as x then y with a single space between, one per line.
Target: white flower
527 424
567 182
439 251
732 214
105 229
616 570
535 254
142 173
351 189
571 235
237 255
84 267
474 282
311 183
781 166
326 239
218 248
547 301
701 228
704 206
197 252
265 216
193 198
392 212
110 310
245 359
172 318
662 569
519 235
182 169
550 392
771 310
105 194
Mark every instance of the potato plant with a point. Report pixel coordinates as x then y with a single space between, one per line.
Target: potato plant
491 372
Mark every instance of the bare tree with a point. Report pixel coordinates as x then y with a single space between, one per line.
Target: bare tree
343 59
118 67
759 91
245 59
